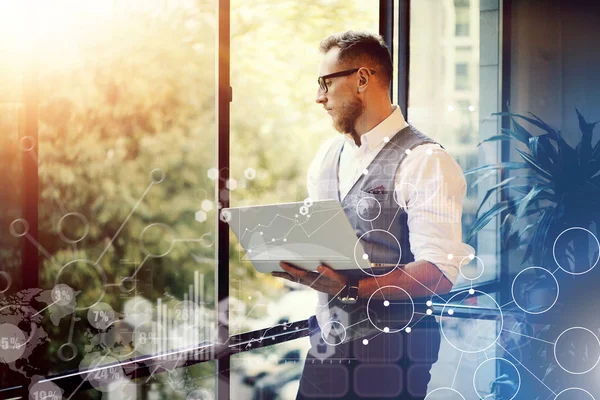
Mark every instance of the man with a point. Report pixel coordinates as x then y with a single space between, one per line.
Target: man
402 193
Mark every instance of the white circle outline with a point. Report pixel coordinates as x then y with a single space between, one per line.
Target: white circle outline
202 392
30 138
98 269
556 358
62 235
61 350
210 243
128 279
376 202
574 388
323 336
14 232
500 359
554 251
162 177
6 276
478 276
512 291
451 305
368 273
145 250
396 197
445 388
412 314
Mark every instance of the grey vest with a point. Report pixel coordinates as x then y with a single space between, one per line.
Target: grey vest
371 205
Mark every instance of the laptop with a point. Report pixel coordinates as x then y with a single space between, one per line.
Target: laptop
306 234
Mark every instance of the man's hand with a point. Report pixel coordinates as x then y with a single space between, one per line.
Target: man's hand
325 280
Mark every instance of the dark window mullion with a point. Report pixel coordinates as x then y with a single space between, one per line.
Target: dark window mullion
505 149
222 192
28 128
386 28
403 55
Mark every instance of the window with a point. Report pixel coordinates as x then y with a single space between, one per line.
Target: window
127 173
461 76
463 22
123 237
273 140
276 129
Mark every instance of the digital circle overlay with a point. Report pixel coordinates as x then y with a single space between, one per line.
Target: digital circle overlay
444 393
479 337
396 315
488 368
566 270
521 302
583 342
574 394
367 238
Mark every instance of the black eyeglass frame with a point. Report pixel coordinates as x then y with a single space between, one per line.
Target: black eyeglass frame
321 79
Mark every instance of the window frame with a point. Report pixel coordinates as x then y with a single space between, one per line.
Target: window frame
394 23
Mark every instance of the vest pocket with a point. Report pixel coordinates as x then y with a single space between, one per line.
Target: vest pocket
380 196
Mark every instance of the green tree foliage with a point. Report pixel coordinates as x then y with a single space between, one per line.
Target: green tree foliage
135 92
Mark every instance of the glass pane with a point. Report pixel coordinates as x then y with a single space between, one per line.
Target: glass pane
451 98
471 356
276 129
126 202
192 383
271 372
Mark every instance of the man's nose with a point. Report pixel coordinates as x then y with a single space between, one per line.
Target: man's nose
321 98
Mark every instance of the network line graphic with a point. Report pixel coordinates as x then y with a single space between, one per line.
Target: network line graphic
187 329
487 329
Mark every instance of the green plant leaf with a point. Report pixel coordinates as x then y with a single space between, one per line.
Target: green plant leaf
504 165
515 135
496 138
521 132
483 177
543 151
492 190
495 210
532 162
587 128
527 200
596 152
537 122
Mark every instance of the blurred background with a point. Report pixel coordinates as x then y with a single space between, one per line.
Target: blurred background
109 211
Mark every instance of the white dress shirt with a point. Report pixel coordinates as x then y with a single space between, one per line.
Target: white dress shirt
429 186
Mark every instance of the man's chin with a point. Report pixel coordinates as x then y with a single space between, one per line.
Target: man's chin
338 127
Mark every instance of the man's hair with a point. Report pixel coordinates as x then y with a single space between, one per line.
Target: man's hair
361 47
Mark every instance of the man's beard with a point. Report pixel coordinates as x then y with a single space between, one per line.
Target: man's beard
348 114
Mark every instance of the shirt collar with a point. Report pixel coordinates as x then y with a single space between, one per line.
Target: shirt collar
375 138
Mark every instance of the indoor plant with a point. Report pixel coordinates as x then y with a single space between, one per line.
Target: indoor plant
557 188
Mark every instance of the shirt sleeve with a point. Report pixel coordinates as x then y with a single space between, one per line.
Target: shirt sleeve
430 187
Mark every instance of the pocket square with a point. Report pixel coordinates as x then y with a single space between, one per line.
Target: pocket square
377 190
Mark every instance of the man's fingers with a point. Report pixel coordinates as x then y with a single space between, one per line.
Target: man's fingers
329 273
293 270
283 275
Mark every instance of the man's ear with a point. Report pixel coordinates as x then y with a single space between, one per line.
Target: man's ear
362 84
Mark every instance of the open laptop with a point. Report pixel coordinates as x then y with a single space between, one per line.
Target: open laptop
306 234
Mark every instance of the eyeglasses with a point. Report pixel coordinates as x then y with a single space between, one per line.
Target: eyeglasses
347 72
